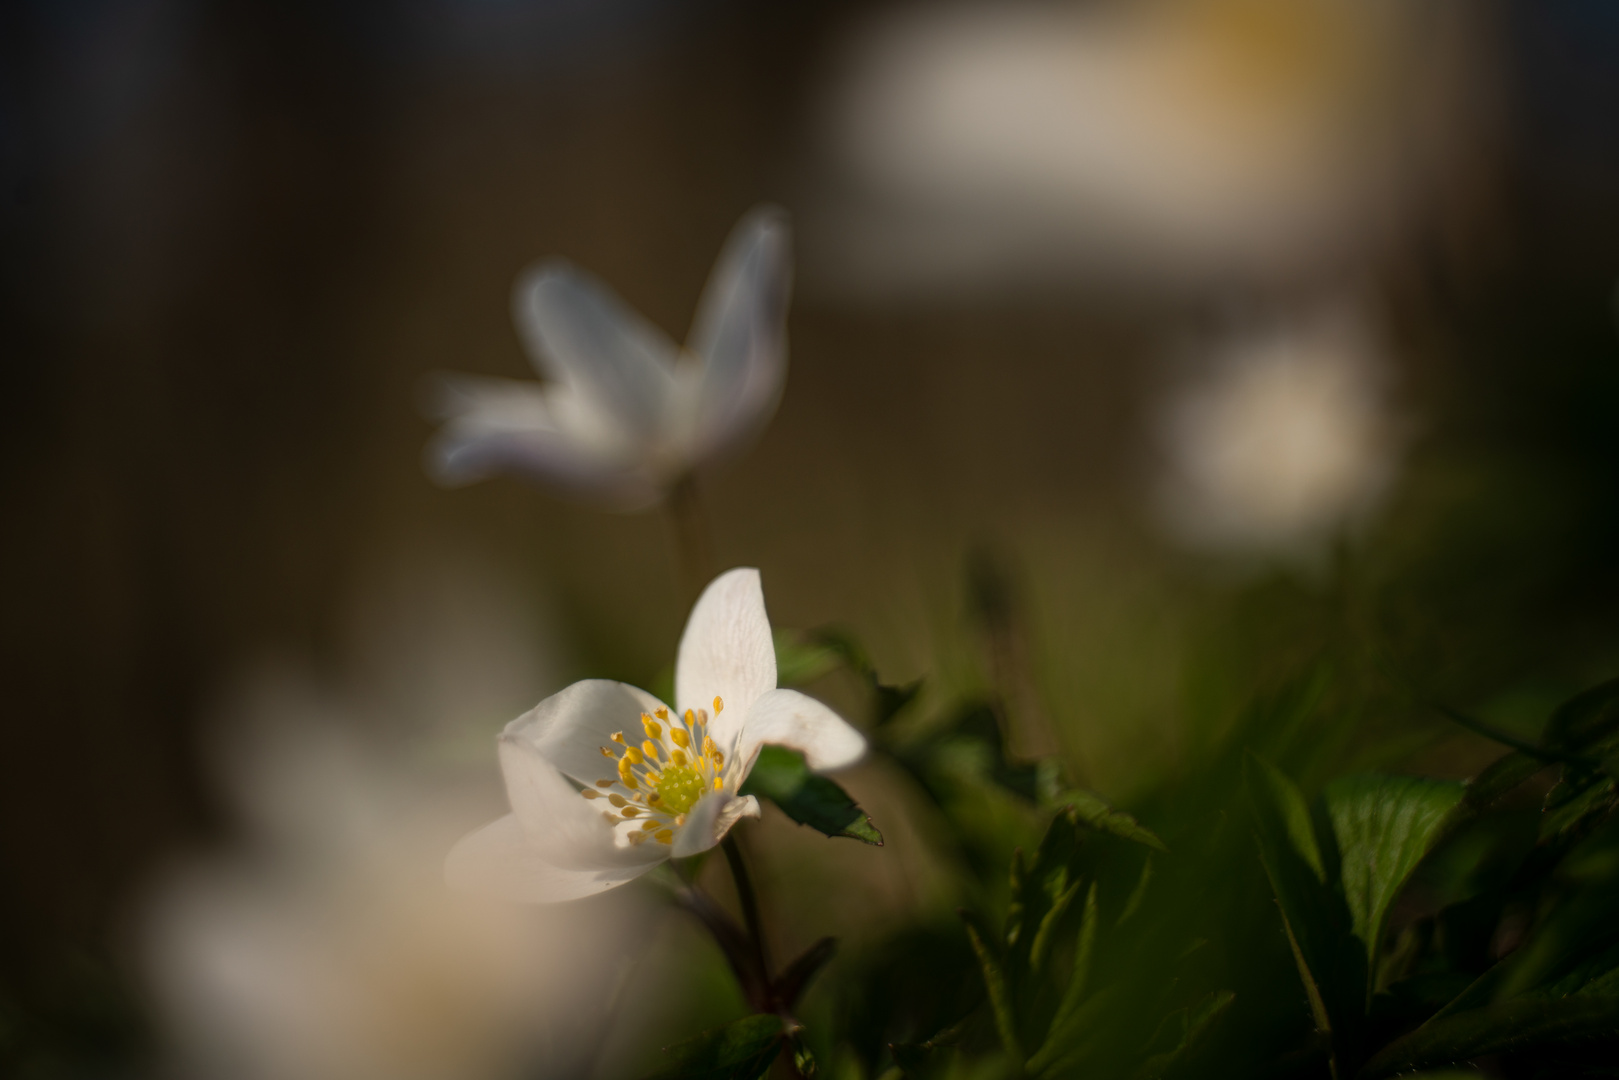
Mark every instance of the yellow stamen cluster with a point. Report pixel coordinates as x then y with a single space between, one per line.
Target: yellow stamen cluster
664 776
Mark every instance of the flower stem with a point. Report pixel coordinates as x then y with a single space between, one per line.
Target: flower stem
693 544
750 904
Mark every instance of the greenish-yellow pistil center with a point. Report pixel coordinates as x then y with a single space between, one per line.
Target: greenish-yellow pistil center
679 787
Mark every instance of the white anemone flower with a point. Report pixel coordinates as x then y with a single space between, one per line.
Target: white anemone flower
625 413
606 782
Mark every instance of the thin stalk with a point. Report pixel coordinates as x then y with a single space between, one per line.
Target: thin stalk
694 548
749 901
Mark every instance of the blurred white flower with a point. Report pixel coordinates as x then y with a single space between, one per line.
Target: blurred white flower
625 413
674 792
1284 440
989 141
322 944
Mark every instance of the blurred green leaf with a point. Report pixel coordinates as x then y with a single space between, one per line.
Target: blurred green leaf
791 982
888 701
1093 811
1501 776
1586 719
781 776
1000 994
1330 961
1517 1025
1384 825
1179 1031
741 1050
801 660
1067 1021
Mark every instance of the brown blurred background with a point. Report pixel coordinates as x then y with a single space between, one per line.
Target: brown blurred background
237 236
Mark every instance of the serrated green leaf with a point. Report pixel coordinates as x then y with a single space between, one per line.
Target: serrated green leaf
781 776
741 1050
1095 812
1330 960
1077 1038
1041 890
1384 825
1516 1025
1180 1031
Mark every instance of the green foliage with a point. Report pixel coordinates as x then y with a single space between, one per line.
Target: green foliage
781 776
1384 825
741 1050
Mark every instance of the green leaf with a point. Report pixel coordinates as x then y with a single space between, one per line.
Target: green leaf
741 1050
1000 994
1068 1018
1096 813
1041 891
1501 776
1509 1026
801 660
1585 719
1384 825
1179 1031
1330 961
781 776
888 700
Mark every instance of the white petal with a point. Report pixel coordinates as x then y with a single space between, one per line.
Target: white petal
498 860
788 718
502 425
726 652
564 827
709 821
570 727
580 334
740 333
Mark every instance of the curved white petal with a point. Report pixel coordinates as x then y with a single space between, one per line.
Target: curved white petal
709 821
570 727
788 718
564 827
740 333
726 652
498 860
579 333
502 425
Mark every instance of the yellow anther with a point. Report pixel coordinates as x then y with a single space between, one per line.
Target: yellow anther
630 811
719 706
662 714
616 800
690 719
587 793
651 726
719 785
624 773
652 825
678 756
637 837
650 749
618 737
632 755
604 783
681 820
664 837
679 736
606 752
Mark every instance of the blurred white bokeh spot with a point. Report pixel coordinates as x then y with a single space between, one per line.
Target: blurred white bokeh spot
323 943
1283 438
1166 140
